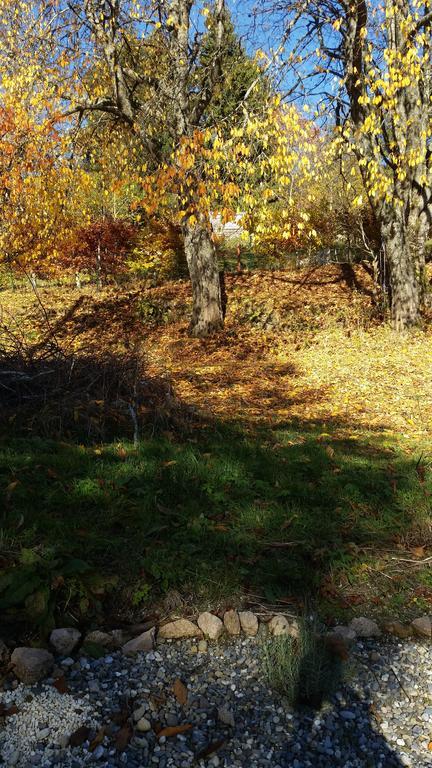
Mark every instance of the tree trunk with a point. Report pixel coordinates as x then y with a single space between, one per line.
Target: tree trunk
98 268
418 228
207 314
406 280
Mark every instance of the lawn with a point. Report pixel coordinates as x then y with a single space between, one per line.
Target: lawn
285 463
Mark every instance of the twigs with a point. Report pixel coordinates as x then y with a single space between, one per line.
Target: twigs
400 684
415 562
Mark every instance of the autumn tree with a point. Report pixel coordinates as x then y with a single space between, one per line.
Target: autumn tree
372 63
37 181
102 31
101 248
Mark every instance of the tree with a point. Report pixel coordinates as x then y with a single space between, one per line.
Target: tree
101 248
244 90
104 30
378 59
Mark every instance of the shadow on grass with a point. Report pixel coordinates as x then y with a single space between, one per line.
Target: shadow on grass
275 513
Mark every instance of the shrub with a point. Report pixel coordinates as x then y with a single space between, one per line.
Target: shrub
101 248
158 253
305 670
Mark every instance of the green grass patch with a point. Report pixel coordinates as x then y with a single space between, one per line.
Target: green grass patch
210 515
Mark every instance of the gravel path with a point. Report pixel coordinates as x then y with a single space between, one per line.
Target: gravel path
381 718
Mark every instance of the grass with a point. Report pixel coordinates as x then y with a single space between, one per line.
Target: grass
304 670
301 472
223 512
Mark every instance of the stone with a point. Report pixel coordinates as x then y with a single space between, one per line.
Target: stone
405 759
211 625
398 629
232 623
171 720
280 625
226 716
347 634
422 626
64 640
144 642
31 664
108 640
346 714
249 623
178 629
143 725
364 627
202 646
139 713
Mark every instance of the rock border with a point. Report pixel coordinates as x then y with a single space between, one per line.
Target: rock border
30 665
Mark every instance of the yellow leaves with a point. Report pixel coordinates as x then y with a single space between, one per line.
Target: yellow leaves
337 24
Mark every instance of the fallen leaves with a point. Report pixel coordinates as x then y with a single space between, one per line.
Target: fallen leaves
8 711
123 737
98 739
210 749
417 552
180 692
61 684
174 730
79 736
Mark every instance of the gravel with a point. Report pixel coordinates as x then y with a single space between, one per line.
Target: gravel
380 718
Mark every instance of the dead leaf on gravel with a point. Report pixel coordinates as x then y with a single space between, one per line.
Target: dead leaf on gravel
8 711
173 730
123 738
180 692
61 684
210 749
98 739
79 736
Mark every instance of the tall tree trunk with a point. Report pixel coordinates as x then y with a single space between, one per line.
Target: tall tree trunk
419 225
406 280
207 314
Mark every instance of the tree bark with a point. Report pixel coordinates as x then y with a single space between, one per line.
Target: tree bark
419 225
406 278
207 314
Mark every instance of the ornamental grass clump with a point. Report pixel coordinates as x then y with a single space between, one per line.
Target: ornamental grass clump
306 669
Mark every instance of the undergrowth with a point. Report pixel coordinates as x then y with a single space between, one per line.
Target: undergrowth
304 670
